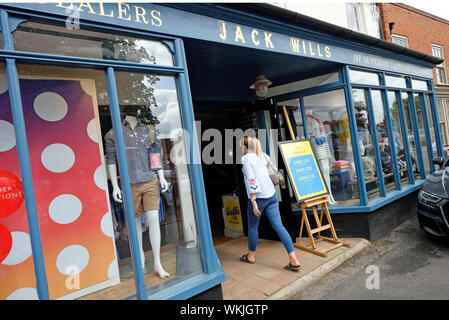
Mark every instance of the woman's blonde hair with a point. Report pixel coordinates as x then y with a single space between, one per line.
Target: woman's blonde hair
252 144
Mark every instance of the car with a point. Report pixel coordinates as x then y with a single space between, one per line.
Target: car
433 201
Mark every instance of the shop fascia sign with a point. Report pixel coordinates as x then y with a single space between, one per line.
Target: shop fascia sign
175 22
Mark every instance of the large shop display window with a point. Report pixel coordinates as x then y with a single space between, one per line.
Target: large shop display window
76 178
329 133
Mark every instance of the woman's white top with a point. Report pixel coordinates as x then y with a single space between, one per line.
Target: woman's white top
257 179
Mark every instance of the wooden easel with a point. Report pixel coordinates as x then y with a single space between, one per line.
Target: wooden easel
311 247
313 203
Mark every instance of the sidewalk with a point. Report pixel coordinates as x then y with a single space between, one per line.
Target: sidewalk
267 278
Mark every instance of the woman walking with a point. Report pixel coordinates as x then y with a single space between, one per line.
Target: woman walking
262 199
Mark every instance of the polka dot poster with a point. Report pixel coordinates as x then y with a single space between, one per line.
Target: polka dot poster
70 189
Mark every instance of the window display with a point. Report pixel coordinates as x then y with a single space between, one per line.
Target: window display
383 135
328 129
398 136
410 129
370 170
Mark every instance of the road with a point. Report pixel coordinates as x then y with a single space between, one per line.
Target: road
406 264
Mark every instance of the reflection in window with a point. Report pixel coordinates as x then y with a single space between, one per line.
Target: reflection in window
51 39
396 82
294 113
363 77
410 129
398 136
158 173
382 137
328 129
422 132
431 125
366 142
419 85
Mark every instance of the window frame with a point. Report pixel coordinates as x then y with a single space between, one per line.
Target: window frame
442 65
399 38
354 8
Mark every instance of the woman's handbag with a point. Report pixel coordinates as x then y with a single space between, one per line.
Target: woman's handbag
275 176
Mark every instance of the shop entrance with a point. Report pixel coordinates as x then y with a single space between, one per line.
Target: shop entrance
220 76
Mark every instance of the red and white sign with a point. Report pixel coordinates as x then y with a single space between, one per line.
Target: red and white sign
11 193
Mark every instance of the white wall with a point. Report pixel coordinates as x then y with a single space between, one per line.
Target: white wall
335 13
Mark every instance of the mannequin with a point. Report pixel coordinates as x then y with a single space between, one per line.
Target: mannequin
344 136
320 144
143 136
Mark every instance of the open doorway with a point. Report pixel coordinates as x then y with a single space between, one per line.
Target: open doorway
220 76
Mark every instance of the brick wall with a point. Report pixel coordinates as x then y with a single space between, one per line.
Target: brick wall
421 29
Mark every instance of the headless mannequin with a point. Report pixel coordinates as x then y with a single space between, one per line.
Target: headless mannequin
152 216
324 156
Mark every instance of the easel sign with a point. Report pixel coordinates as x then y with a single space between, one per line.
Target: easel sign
303 169
310 190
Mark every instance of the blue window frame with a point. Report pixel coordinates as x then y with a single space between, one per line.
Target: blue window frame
213 272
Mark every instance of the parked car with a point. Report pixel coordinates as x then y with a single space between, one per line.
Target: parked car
433 201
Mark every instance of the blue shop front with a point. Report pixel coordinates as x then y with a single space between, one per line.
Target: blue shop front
119 138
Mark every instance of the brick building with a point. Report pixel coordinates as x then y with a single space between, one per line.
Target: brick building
427 33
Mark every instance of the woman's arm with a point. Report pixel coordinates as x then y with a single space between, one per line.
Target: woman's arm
252 184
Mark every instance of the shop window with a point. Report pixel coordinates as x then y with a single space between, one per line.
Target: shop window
442 105
370 170
431 125
52 39
421 130
83 227
304 84
395 82
419 85
383 135
294 113
398 136
158 171
362 77
329 133
14 259
410 131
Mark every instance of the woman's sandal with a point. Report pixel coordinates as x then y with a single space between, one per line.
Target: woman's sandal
292 267
244 258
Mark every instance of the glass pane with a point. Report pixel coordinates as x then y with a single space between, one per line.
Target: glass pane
419 85
383 139
366 142
431 125
327 118
16 263
410 129
62 120
159 176
398 136
422 132
294 112
362 77
398 82
52 39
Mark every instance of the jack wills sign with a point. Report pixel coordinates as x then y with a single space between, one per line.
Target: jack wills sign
165 19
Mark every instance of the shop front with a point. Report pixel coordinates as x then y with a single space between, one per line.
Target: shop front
111 177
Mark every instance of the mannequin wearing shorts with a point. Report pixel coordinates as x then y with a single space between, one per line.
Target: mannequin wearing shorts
145 175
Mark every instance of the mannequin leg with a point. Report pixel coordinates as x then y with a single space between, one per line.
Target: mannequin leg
155 240
139 238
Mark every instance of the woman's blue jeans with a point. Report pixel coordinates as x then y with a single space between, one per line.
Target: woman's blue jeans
270 208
